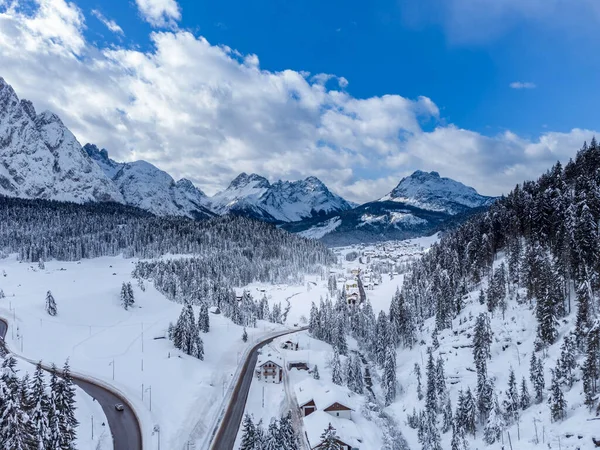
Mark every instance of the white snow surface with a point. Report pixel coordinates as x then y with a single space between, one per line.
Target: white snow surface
40 157
434 193
97 334
323 228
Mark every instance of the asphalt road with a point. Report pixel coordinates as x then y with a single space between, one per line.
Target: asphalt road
228 429
124 426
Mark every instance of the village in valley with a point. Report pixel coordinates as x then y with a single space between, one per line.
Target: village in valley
294 372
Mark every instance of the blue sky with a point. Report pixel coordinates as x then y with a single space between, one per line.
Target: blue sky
381 49
502 90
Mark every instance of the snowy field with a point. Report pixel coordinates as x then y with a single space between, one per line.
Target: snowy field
126 349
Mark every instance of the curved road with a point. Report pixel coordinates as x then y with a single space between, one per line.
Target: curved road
230 424
124 425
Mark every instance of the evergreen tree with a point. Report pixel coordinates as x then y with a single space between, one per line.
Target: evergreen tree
53 441
447 417
440 377
417 371
245 335
470 413
50 304
525 398
65 403
40 410
272 437
583 323
591 369
329 439
556 400
248 434
204 318
567 363
511 402
389 375
431 401
287 435
336 368
315 373
494 425
126 295
536 375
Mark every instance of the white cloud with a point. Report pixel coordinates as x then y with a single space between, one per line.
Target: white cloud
109 23
159 13
207 112
522 85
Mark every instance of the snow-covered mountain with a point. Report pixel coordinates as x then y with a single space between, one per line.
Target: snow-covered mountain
420 204
283 201
145 186
40 157
427 190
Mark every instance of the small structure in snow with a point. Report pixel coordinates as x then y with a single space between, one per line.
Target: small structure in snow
214 310
347 431
289 345
314 396
299 365
269 368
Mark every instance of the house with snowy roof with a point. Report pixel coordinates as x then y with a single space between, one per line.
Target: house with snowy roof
269 368
312 396
349 437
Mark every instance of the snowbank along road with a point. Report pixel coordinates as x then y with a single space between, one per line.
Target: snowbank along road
228 429
124 425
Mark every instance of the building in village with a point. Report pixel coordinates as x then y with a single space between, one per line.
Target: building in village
269 368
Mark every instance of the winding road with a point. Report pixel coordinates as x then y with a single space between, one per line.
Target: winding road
232 419
124 425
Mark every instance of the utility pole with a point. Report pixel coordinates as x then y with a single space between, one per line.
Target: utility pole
112 363
142 342
150 389
92 428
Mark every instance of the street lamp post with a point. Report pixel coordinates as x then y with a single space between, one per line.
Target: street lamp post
150 389
157 431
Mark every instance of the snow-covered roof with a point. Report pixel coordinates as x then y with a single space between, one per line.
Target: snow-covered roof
324 395
346 430
270 356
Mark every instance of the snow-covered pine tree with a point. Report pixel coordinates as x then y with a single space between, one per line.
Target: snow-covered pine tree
417 371
431 400
482 339
591 369
54 413
287 435
204 318
329 439
2 295
470 413
50 304
336 368
272 441
447 417
260 435
358 384
511 401
41 264
525 398
340 335
245 335
495 424
536 375
130 295
198 348
389 375
440 377
65 399
567 363
40 411
14 432
556 400
315 373
583 321
248 441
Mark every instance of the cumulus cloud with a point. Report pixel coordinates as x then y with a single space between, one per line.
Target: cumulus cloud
110 24
159 13
522 85
207 113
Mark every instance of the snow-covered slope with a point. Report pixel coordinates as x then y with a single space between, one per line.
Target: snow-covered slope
282 201
40 157
145 186
431 192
